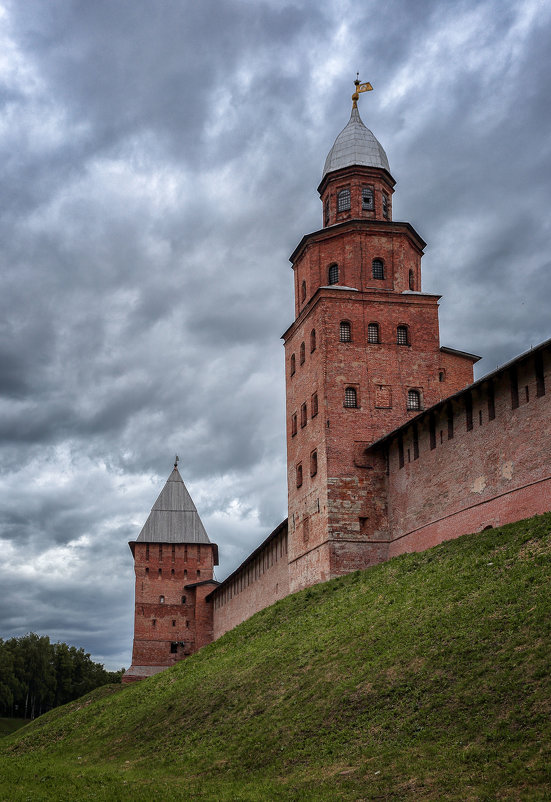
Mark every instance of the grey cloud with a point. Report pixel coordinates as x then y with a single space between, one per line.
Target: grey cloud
159 166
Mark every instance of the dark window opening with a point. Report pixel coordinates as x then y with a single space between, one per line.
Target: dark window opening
303 291
183 599
294 425
350 398
480 417
160 571
441 376
312 340
378 269
172 572
400 452
302 353
153 622
326 212
343 200
385 205
527 393
173 622
314 405
373 333
540 377
402 335
367 199
345 332
293 364
198 573
415 442
303 415
313 463
161 599
411 280
185 573
432 432
173 648
147 570
333 275
299 474
414 400
514 388
469 412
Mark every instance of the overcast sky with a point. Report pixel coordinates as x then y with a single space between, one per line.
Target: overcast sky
159 162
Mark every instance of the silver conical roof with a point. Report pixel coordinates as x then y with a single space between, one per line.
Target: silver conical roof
355 145
173 518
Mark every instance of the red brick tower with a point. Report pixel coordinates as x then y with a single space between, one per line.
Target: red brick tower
362 356
174 562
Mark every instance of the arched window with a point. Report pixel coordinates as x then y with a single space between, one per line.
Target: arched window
373 333
411 280
299 474
312 340
414 399
313 463
314 405
303 415
294 425
302 353
345 332
367 199
303 291
334 274
385 205
402 335
378 268
293 364
350 398
343 200
326 212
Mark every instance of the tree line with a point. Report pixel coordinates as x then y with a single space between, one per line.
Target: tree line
36 675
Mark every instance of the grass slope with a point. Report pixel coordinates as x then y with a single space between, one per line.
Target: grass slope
426 677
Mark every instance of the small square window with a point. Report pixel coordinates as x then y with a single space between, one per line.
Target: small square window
367 199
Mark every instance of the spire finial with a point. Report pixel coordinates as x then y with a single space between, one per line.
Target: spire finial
366 87
176 461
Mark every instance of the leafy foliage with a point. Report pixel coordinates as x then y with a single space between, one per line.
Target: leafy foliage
36 675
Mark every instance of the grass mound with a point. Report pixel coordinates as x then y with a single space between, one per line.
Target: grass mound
426 677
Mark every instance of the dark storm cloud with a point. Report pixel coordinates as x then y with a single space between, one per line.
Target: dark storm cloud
158 164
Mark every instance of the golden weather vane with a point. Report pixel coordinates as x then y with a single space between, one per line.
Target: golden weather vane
366 87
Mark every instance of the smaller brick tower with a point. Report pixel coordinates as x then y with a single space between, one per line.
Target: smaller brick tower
174 562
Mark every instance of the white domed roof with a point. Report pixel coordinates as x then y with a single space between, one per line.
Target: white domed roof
355 145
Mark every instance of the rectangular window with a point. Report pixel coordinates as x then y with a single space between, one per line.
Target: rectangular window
415 442
469 411
343 200
367 199
540 377
294 425
400 452
514 388
303 415
314 405
491 401
432 432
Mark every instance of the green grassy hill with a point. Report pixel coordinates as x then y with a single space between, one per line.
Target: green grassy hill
424 678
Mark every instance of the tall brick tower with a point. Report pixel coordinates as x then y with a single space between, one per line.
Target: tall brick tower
174 562
362 356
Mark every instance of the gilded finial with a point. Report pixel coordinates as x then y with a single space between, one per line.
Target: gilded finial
365 87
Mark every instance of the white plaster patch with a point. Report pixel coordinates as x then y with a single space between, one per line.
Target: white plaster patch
507 470
479 484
